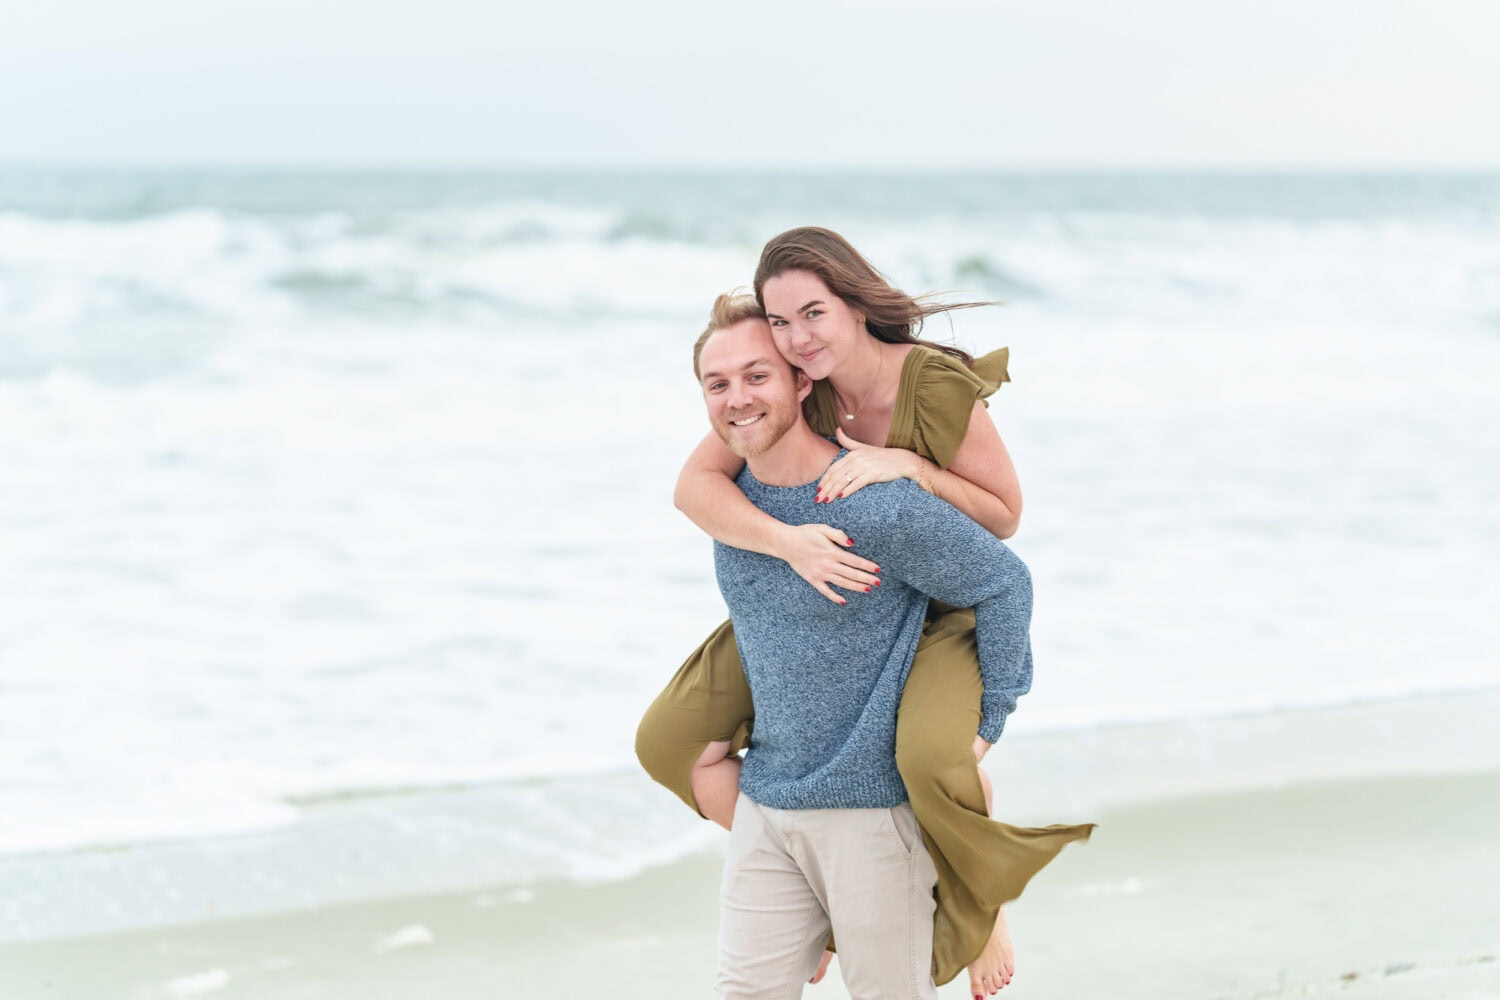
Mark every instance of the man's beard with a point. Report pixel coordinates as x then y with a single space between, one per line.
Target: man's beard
772 428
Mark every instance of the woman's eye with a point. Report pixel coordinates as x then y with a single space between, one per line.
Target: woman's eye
778 322
813 313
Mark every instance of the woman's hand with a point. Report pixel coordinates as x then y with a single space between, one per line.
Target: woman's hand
865 464
820 555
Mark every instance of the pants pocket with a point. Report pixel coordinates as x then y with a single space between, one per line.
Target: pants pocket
903 828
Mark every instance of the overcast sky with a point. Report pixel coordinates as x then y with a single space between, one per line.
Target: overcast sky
1090 84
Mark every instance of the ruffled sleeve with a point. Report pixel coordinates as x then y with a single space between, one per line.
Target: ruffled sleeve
943 394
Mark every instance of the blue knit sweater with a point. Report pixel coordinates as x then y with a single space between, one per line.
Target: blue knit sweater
826 679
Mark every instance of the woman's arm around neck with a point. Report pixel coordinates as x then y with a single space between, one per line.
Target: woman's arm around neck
820 554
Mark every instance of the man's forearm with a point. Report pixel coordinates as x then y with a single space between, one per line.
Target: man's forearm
948 556
1002 624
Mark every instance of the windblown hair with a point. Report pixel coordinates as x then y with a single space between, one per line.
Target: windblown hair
729 309
890 314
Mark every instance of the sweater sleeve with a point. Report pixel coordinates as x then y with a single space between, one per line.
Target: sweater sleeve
946 390
945 555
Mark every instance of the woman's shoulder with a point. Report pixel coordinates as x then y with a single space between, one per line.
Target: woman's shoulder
937 378
937 397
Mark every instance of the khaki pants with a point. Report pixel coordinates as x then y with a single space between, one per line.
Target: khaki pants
792 876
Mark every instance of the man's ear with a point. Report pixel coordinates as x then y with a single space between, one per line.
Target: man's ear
804 384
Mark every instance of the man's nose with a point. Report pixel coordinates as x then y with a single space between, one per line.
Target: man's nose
739 395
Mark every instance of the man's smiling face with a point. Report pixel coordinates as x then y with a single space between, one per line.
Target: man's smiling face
754 397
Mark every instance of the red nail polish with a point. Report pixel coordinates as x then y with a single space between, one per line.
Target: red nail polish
877 583
867 590
841 496
842 601
849 542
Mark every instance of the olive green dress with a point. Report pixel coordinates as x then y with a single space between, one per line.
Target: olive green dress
981 863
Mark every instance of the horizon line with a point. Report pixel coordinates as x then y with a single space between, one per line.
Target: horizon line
374 165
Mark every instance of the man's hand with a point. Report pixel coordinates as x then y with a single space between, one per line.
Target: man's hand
822 968
820 555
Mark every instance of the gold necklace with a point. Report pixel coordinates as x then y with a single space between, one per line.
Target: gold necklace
878 369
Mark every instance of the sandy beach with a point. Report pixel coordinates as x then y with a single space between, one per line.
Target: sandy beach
1346 852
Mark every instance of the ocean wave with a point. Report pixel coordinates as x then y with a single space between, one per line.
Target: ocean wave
715 230
979 271
81 283
487 265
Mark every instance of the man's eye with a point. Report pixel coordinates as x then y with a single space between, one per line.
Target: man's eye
758 377
715 386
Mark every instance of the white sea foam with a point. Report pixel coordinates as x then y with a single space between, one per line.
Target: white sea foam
413 936
199 983
114 809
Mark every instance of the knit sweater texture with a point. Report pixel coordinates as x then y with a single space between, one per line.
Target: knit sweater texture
826 679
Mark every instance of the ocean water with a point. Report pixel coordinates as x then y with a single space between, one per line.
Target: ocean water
318 487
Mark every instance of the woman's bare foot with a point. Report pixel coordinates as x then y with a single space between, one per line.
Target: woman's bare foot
991 971
822 968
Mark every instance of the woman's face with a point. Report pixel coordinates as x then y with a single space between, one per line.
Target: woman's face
814 329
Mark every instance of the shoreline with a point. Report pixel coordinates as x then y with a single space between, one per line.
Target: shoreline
1019 733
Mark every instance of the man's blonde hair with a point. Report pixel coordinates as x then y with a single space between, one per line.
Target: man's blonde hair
729 309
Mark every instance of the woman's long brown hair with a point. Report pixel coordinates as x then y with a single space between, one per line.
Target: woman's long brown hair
890 314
